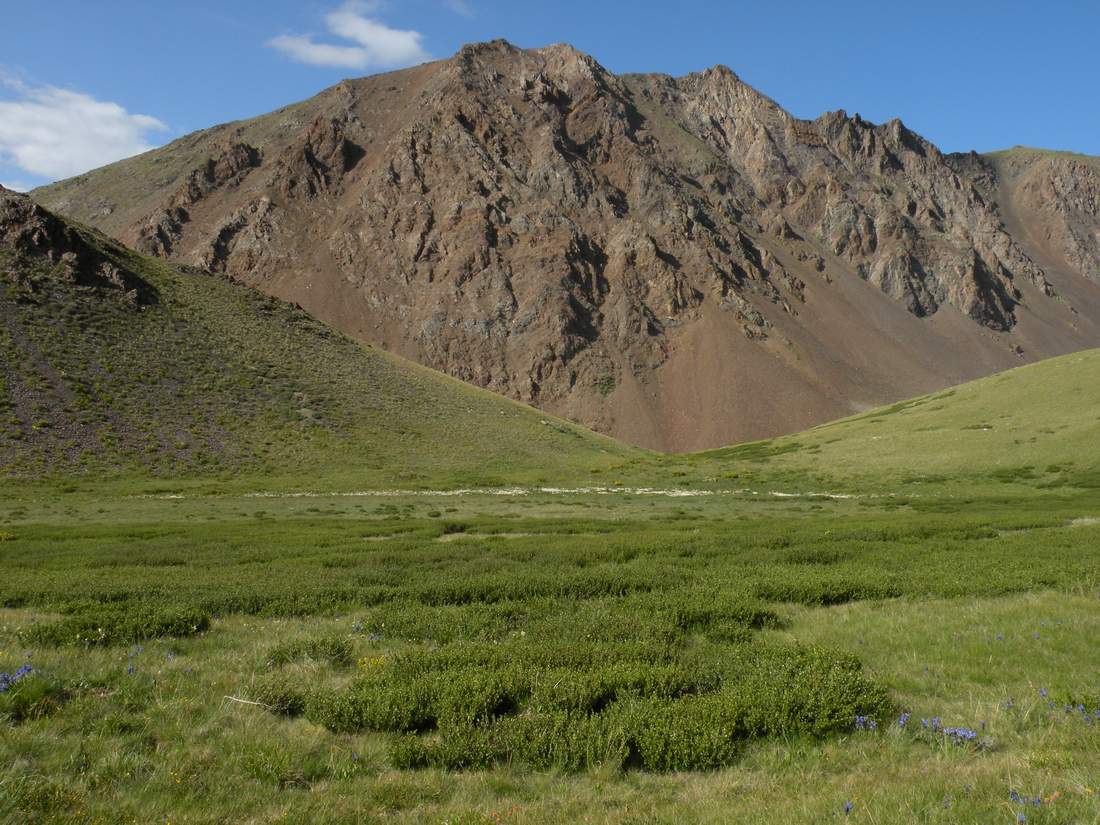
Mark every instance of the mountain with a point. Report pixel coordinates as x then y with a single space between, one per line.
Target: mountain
115 364
676 262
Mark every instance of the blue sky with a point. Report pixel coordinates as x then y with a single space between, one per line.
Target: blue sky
84 83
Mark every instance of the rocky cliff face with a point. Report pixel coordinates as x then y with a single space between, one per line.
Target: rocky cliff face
1056 197
675 261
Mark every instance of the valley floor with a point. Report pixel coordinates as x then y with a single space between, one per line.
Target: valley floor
551 657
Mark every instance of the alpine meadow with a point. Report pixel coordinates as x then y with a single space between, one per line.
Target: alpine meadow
503 440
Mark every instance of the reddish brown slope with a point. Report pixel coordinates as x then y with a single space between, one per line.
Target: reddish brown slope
677 262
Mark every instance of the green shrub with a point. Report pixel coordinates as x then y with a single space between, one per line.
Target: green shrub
476 709
460 749
380 704
473 698
111 625
336 650
697 733
279 696
817 587
782 690
562 741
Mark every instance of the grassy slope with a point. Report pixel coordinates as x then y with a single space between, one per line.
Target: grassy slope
1037 424
216 381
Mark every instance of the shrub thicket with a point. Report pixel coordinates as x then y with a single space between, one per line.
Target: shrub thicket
119 624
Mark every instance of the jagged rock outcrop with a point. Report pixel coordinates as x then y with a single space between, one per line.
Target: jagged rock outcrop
35 234
676 261
159 233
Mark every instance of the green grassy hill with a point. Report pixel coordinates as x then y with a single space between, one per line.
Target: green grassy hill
162 372
1037 424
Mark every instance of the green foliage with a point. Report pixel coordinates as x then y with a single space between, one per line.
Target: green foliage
336 650
32 697
115 625
576 706
279 696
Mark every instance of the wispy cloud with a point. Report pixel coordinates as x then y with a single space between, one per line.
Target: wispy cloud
55 133
16 185
461 7
368 43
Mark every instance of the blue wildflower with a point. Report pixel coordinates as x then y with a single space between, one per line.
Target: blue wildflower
960 735
848 808
1015 797
9 679
866 723
902 720
130 669
1043 693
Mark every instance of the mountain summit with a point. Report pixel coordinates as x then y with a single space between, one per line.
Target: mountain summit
678 262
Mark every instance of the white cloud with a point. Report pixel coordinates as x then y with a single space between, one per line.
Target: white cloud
16 185
460 7
55 133
368 43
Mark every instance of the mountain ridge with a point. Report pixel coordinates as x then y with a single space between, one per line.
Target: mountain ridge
677 262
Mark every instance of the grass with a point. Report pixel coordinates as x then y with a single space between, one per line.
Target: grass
627 663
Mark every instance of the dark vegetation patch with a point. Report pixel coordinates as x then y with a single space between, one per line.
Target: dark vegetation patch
336 650
575 705
756 451
122 623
